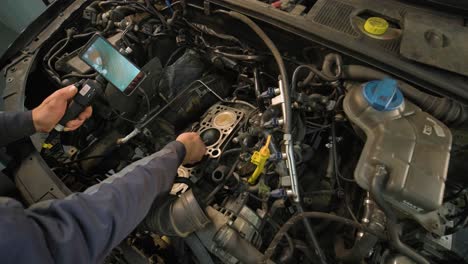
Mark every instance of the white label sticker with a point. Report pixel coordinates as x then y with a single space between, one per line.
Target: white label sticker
85 90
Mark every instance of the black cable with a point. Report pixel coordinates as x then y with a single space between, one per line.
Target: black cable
49 61
228 152
255 197
313 238
320 215
48 57
184 180
84 34
148 104
335 154
82 159
154 11
77 75
338 175
48 54
124 118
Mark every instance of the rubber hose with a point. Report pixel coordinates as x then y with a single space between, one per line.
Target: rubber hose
177 216
330 60
358 252
287 256
392 224
319 215
327 73
446 110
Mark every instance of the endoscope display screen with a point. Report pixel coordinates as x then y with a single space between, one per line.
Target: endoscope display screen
112 65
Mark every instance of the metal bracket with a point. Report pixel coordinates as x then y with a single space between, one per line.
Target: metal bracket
279 99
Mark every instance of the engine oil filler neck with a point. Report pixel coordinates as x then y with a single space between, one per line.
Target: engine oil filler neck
412 144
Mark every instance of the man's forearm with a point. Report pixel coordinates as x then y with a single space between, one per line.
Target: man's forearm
15 125
84 227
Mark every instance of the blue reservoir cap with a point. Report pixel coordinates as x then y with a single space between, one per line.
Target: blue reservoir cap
383 95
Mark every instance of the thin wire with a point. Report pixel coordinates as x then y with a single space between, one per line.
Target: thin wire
148 104
338 175
255 197
335 155
213 92
167 7
223 100
124 118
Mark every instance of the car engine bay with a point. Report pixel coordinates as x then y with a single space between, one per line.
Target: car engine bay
312 155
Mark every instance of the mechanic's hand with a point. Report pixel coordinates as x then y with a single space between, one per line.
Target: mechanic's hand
49 112
195 149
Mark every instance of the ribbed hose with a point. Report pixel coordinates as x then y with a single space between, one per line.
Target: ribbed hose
446 110
392 221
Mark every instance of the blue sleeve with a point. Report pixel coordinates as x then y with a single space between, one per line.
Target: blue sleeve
85 227
15 125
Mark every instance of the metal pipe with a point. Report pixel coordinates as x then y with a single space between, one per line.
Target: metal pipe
284 99
290 160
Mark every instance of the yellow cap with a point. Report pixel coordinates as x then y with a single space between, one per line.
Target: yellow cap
376 25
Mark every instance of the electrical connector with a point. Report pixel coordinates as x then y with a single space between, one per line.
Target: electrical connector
278 193
269 93
259 158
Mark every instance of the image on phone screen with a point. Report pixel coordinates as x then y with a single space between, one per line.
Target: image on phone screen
113 66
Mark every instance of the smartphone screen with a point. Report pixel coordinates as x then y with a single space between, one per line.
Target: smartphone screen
112 65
